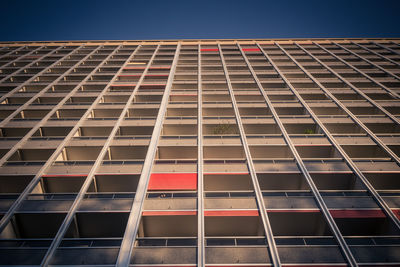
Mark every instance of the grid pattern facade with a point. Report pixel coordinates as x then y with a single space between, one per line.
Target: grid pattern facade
200 152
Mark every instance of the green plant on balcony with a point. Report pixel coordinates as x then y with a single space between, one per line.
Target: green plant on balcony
309 131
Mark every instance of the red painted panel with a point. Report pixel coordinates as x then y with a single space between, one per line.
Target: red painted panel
251 49
231 213
209 49
357 214
173 181
168 213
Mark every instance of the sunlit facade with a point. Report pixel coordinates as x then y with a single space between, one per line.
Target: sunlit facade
200 153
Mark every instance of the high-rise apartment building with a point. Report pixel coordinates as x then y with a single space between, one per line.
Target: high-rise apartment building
200 153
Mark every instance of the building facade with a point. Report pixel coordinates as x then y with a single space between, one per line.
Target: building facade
200 152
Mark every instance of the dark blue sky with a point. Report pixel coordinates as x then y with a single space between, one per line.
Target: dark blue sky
129 20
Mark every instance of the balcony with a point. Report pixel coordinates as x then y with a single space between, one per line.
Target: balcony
172 153
320 152
55 184
378 226
254 111
227 182
231 225
86 244
25 241
179 129
240 254
33 225
14 183
223 152
261 129
94 131
181 112
135 131
31 155
171 254
53 131
365 151
170 200
14 132
282 181
126 153
230 200
343 128
79 153
374 249
275 200
270 152
171 238
98 225
383 127
384 181
110 202
337 181
306 129
323 251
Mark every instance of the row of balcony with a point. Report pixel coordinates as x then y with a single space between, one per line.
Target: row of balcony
277 181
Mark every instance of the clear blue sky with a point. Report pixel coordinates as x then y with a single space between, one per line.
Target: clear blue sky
33 20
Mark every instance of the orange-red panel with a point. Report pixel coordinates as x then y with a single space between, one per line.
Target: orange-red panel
173 181
357 214
231 213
